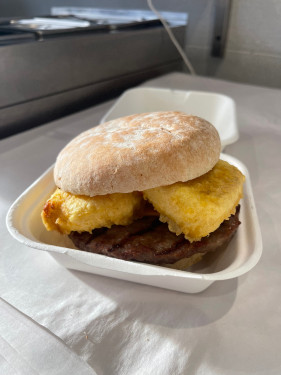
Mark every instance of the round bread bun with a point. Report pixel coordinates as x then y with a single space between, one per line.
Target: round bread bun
136 153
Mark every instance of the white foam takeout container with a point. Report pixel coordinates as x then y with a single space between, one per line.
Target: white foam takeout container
218 109
243 252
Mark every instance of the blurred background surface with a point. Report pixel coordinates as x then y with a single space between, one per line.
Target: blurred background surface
253 49
46 75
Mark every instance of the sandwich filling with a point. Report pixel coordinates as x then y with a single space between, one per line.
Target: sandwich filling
194 208
150 241
66 212
197 207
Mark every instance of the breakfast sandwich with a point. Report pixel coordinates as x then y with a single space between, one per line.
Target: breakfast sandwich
148 188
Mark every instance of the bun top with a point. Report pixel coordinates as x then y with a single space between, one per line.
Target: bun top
136 153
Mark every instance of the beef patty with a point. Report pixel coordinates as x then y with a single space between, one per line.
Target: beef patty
150 241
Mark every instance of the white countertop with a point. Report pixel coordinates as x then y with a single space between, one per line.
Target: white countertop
118 327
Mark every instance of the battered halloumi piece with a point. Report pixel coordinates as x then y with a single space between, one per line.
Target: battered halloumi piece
198 207
66 212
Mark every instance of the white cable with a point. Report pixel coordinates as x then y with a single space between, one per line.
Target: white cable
172 37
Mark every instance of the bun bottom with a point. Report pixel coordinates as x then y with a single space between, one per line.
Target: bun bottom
184 263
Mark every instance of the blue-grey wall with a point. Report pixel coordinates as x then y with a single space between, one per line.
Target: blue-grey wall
253 52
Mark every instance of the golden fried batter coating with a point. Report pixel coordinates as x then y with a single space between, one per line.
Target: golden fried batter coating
66 212
198 207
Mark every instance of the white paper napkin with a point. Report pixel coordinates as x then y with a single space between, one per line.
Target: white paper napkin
26 348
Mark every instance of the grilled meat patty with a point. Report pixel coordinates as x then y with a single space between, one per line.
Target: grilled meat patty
150 241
